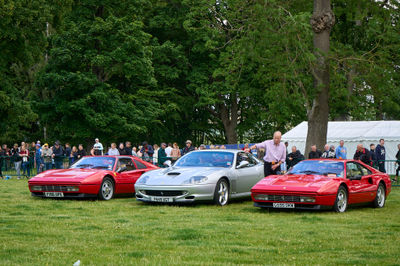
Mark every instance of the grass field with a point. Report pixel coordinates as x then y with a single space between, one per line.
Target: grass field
123 231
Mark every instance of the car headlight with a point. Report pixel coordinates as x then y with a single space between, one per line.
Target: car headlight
72 188
260 197
307 199
36 188
143 180
195 180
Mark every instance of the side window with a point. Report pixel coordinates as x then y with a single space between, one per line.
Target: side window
244 157
352 170
364 170
126 162
140 165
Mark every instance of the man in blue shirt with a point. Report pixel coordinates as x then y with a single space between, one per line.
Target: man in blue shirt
38 158
341 151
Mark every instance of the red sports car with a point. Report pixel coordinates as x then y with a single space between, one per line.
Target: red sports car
323 183
97 176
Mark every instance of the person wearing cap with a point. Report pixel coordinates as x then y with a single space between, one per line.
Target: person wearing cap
202 147
97 147
38 158
188 148
58 155
47 154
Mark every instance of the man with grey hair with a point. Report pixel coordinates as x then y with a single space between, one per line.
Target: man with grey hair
275 154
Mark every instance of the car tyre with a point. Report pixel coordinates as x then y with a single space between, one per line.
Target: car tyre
221 193
341 200
106 189
380 198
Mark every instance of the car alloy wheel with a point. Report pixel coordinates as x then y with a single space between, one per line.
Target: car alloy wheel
341 200
221 194
380 198
106 189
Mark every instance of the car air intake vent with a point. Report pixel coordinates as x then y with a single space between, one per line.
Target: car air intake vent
174 173
288 198
166 193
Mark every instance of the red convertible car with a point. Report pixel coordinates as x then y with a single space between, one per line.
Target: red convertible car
323 183
98 176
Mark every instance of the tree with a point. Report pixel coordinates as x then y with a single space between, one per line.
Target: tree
99 75
322 22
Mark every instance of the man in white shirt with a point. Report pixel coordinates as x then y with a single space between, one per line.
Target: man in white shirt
113 150
168 150
98 147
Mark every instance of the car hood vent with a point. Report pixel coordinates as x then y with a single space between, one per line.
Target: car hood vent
173 173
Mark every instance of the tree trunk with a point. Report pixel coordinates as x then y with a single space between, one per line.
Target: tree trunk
322 21
229 117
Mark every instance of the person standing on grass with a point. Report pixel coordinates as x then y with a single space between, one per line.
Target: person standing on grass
314 153
47 154
362 154
58 155
294 157
188 148
113 150
67 153
81 152
134 152
17 159
97 147
341 151
2 156
373 155
381 155
275 154
24 153
176 152
168 150
121 149
128 148
162 155
74 154
397 161
38 159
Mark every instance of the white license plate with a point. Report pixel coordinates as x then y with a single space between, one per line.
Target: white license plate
54 194
161 199
283 205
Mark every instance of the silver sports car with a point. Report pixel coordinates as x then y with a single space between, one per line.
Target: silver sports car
217 175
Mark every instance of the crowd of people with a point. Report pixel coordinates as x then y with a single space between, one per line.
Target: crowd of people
25 157
273 152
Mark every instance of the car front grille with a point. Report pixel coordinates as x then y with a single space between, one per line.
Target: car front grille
284 198
164 193
54 188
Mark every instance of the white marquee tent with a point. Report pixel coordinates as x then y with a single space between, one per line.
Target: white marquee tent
353 133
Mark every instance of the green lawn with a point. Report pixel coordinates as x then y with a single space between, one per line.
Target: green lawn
123 231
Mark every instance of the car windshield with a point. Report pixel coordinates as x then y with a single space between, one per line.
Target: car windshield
315 167
206 159
95 163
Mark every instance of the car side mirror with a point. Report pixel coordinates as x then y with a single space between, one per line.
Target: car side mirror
242 164
122 169
356 177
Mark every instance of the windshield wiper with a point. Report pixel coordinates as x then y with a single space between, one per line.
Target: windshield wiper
329 173
84 165
309 172
100 167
